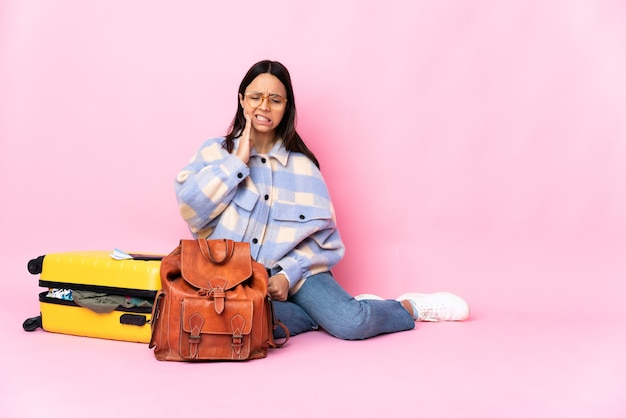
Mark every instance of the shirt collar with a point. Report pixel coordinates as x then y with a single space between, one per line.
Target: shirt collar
278 151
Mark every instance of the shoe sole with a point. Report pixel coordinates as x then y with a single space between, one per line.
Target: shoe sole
459 302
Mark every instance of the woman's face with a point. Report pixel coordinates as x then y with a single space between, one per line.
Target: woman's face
264 101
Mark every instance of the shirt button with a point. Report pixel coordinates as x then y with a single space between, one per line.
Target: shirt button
301 216
263 160
254 240
267 197
239 175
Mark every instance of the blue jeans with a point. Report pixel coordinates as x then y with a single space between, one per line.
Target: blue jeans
322 302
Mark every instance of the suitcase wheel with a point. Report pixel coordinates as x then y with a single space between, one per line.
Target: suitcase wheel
32 324
35 265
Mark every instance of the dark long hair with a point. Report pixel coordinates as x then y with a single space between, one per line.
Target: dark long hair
286 129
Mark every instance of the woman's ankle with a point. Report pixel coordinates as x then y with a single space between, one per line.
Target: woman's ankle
406 304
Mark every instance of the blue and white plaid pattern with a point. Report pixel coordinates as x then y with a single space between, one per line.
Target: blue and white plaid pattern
279 203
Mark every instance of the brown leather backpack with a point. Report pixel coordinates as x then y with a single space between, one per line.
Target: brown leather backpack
213 304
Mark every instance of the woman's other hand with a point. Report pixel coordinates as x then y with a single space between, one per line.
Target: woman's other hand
278 287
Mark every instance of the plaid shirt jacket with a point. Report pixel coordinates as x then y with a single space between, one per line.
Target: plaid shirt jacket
279 203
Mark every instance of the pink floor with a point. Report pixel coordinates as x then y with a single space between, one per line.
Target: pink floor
519 360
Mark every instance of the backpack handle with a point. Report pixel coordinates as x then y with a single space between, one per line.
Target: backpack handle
205 249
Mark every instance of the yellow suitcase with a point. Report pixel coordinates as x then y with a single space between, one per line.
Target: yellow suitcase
134 282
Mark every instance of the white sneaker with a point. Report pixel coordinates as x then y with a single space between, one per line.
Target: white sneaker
367 296
434 307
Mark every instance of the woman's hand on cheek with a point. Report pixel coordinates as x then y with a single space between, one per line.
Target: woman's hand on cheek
245 142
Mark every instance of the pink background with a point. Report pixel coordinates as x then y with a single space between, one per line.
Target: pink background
477 147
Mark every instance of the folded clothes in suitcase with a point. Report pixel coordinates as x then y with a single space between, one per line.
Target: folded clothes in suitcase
92 294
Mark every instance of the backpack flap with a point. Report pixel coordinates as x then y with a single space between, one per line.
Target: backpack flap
207 334
203 261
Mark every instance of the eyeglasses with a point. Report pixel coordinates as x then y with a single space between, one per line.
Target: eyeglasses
275 101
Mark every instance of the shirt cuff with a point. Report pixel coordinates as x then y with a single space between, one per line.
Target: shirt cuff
291 269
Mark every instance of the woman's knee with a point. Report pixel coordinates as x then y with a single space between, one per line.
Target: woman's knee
294 318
